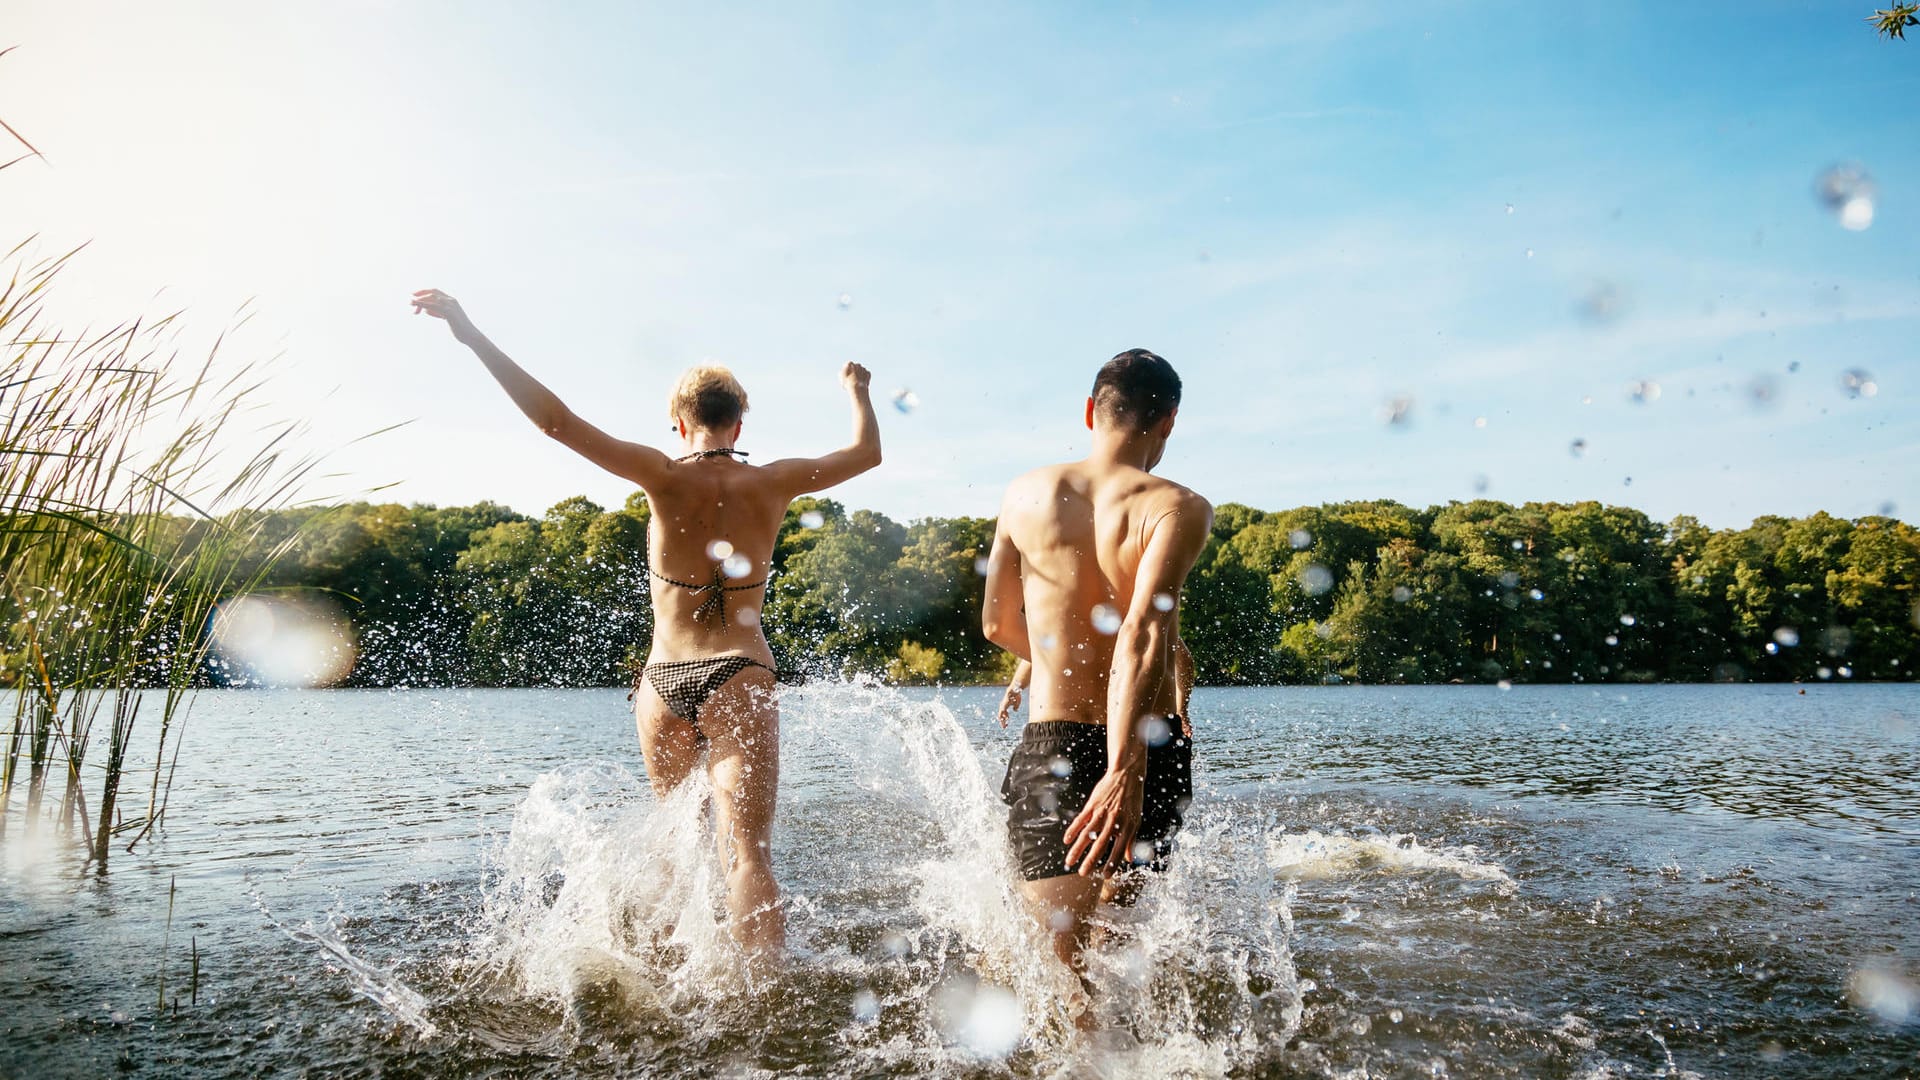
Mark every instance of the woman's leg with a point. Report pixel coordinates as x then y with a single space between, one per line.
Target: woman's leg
668 744
742 724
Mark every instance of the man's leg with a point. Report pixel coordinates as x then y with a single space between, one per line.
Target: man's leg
1062 906
742 724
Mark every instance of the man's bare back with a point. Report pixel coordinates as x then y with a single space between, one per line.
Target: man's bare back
1089 559
1079 530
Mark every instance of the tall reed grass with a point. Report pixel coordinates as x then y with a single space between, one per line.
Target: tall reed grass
134 486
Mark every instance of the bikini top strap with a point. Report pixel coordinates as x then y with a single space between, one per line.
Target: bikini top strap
716 601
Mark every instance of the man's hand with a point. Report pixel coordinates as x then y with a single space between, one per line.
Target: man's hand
855 378
1101 837
1009 702
441 306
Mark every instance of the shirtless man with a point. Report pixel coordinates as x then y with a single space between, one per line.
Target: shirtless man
709 676
1084 581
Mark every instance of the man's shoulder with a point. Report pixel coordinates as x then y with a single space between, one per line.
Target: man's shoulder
1171 495
1045 478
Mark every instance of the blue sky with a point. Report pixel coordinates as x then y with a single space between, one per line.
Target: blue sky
1305 208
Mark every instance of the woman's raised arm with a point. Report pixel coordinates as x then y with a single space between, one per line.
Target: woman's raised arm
637 462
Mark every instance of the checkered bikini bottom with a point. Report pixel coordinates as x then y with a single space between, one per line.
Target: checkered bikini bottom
685 685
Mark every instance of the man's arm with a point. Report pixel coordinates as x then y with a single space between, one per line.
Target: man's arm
800 476
1101 836
1183 682
1003 613
1016 686
631 461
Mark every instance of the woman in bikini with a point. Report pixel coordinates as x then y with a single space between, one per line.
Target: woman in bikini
709 676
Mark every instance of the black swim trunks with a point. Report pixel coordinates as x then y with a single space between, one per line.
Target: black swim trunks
1052 773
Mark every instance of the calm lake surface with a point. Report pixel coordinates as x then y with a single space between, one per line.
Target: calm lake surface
1714 881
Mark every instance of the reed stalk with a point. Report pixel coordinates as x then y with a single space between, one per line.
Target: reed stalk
134 495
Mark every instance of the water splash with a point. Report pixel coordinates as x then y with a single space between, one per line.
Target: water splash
367 980
928 962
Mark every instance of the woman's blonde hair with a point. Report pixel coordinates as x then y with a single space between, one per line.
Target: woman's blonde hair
709 397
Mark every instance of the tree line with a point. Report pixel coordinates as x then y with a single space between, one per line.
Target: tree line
1371 592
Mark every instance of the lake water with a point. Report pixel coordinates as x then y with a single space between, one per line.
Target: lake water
1721 881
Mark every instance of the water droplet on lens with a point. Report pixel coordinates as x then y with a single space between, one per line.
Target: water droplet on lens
980 566
979 1017
1106 618
905 401
736 566
1537 594
1060 920
274 641
1398 411
1577 447
1848 192
1529 253
1479 421
1793 367
1300 539
1060 767
1603 304
1162 601
1628 482
1481 483
719 550
846 301
1315 579
812 519
1787 637
1627 620
1402 594
866 1006
1396 1016
1509 208
1884 991
1504 684
1155 731
1642 391
747 616
1612 639
1762 391
1858 383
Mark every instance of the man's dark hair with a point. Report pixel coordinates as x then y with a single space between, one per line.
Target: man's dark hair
1136 389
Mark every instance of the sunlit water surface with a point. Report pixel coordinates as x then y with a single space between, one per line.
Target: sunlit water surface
1437 881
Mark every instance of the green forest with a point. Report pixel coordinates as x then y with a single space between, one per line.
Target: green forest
1371 592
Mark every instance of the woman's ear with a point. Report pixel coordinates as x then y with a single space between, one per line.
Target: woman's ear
1089 414
738 427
